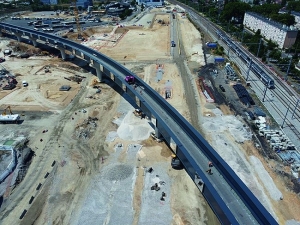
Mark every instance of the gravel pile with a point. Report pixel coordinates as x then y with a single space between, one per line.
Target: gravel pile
134 128
117 172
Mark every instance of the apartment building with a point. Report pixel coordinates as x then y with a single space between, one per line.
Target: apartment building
82 3
284 36
154 3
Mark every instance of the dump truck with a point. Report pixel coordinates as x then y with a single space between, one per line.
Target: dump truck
130 79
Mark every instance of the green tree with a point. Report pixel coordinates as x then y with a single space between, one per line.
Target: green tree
235 9
271 45
286 19
275 54
266 9
133 3
142 7
283 3
293 5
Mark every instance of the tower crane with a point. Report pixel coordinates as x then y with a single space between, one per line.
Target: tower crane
79 32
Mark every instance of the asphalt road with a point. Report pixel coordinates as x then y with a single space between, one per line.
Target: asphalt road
24 23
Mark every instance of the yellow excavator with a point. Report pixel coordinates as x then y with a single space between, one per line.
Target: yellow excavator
4 111
11 118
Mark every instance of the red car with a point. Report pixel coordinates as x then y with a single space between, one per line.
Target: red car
2 60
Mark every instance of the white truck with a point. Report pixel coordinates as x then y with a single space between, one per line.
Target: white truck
25 84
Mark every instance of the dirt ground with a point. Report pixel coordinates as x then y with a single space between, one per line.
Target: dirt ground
132 43
78 123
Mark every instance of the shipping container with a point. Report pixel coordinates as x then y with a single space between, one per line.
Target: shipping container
219 60
211 44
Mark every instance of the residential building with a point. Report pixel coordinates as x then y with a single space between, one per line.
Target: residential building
151 2
279 33
82 3
116 8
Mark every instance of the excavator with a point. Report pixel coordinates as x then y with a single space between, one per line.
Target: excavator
11 118
4 111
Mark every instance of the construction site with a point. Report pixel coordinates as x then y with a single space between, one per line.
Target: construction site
79 153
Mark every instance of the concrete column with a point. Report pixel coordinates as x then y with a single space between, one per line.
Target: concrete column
98 70
157 134
18 35
62 52
33 41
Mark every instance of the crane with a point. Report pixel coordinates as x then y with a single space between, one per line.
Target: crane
79 32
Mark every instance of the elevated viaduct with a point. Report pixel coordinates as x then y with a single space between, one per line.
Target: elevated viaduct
227 195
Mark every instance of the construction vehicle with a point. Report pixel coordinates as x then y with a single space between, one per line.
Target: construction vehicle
130 79
138 112
176 163
4 118
25 83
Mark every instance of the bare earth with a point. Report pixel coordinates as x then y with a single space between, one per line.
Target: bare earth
88 138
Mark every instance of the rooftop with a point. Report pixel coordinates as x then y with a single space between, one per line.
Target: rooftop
271 22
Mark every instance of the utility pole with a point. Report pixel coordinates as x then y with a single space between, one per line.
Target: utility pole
285 115
288 70
243 36
258 47
249 68
295 108
265 91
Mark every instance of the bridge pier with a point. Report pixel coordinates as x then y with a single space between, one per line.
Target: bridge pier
18 35
157 133
33 41
62 52
98 70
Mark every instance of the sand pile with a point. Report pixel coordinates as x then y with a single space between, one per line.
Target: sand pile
134 128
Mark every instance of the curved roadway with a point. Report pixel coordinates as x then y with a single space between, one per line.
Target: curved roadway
228 196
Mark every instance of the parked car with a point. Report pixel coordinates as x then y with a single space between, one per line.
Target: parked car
173 44
250 115
222 88
2 60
